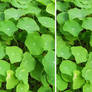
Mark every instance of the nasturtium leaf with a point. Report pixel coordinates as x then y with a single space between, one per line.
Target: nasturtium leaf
67 67
66 77
8 27
4 67
15 54
22 87
80 54
62 6
44 80
12 13
51 8
68 91
44 89
78 80
87 87
87 23
44 2
11 81
28 62
61 84
28 24
22 74
47 22
37 72
34 43
49 66
48 42
62 18
83 4
87 73
75 13
73 27
63 49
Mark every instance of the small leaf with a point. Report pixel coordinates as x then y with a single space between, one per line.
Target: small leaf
72 27
22 87
61 84
87 23
51 8
8 27
47 22
11 81
28 62
87 87
63 49
44 89
68 67
48 42
14 53
49 66
4 67
78 81
22 74
79 53
28 24
34 43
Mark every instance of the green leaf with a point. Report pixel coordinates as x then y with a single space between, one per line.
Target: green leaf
34 45
22 74
72 27
62 18
78 81
49 66
14 53
28 62
79 53
47 22
61 84
62 6
87 23
63 49
22 87
44 2
8 27
51 8
37 72
87 87
28 24
48 42
87 73
11 81
44 89
67 67
4 67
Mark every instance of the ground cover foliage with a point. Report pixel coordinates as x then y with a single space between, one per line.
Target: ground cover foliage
74 45
27 46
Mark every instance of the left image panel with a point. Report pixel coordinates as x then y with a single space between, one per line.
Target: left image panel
27 45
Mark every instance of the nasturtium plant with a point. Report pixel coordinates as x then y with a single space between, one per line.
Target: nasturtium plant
27 45
74 45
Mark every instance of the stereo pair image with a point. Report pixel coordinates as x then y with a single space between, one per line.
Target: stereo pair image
45 45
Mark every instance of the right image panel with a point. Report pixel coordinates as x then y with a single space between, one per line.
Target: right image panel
74 46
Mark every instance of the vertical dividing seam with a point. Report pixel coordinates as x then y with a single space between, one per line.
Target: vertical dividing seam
55 44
